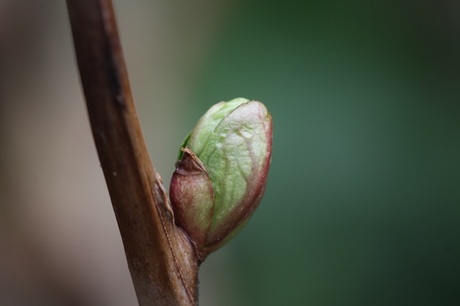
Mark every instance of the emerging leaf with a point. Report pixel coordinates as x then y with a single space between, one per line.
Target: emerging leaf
221 175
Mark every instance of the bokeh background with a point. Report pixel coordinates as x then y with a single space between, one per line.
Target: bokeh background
363 201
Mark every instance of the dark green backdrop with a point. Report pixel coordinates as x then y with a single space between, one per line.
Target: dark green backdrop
362 204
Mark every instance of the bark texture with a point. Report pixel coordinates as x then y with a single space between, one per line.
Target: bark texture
161 259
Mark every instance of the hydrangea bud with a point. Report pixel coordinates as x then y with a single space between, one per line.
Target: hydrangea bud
222 171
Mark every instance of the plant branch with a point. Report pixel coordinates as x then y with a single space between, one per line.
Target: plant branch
161 259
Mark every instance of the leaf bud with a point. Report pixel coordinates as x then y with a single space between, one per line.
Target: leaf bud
221 173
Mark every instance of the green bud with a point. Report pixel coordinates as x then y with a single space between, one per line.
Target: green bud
222 172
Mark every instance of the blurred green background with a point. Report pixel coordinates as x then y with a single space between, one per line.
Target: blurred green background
362 204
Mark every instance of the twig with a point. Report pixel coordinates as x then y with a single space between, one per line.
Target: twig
161 259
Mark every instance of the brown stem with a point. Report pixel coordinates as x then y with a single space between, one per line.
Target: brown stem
162 261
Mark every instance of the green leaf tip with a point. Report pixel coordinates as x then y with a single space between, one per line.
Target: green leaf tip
221 173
